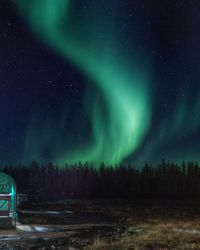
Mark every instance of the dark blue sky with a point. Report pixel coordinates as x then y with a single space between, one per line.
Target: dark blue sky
37 86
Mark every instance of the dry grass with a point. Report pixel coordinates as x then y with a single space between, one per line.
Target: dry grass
97 244
155 235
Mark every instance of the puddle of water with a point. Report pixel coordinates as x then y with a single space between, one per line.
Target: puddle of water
68 212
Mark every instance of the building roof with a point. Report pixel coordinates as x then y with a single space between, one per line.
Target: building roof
7 184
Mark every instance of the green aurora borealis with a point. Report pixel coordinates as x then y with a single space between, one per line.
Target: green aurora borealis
125 87
138 65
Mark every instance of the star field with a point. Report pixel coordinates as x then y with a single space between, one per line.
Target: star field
93 80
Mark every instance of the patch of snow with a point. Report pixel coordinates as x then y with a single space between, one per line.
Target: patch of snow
9 237
46 212
182 230
39 212
34 229
42 229
56 228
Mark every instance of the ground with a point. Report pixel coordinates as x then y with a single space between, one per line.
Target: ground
106 225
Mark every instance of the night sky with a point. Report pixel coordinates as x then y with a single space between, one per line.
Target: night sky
99 81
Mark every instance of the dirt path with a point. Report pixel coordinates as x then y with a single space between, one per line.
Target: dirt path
56 229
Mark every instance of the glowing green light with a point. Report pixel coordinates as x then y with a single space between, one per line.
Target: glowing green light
124 86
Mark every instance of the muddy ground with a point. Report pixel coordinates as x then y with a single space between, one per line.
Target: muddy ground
105 225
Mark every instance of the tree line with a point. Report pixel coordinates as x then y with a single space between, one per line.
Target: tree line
166 180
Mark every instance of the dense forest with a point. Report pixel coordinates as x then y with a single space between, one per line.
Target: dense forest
164 181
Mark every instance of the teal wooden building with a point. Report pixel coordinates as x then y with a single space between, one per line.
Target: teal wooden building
8 214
